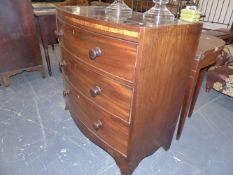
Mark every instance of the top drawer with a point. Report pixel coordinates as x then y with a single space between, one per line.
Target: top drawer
111 55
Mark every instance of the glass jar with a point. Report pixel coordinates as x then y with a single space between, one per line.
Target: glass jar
159 13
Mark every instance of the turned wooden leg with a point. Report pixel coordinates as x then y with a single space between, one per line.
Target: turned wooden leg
186 102
196 91
48 60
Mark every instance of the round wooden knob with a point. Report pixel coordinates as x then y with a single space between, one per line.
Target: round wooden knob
95 91
65 93
97 125
62 65
94 53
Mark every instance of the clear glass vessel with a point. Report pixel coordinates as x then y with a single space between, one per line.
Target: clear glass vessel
118 8
159 13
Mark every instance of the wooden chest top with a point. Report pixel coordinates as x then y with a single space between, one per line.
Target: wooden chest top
94 18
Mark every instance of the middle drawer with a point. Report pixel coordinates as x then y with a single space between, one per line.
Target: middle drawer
105 92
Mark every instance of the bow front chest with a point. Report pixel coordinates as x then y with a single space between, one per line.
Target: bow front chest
124 79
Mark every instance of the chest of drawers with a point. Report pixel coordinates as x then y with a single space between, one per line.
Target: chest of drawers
124 81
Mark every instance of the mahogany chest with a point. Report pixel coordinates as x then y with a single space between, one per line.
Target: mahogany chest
124 79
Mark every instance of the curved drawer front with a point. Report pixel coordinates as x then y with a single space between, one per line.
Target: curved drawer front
107 93
100 123
114 56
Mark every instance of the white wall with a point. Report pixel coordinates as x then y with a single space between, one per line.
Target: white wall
208 7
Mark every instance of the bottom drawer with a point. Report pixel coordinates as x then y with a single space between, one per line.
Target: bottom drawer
102 124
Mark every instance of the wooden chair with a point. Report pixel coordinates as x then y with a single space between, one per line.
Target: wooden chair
220 76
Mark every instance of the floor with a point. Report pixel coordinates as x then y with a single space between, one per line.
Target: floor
38 137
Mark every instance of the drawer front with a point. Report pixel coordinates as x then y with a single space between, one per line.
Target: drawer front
99 122
105 92
114 56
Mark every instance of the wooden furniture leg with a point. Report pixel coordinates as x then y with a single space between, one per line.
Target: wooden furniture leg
45 42
6 76
196 91
186 102
47 58
208 50
5 80
66 107
42 72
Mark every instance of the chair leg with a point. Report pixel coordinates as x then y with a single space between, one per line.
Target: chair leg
196 91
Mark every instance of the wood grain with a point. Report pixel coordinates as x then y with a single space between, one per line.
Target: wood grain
114 52
112 132
103 28
114 97
157 65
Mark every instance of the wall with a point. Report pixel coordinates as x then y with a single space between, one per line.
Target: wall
219 13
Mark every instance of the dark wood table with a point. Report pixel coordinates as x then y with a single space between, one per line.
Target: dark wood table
208 49
47 25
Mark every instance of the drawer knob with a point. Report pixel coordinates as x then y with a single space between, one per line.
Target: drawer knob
94 53
97 125
62 65
65 93
95 91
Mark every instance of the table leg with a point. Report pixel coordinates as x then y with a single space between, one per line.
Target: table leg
186 102
44 38
196 91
